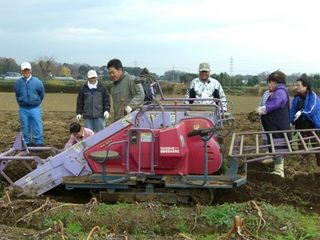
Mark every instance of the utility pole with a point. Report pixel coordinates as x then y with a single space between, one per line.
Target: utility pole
172 73
135 63
231 66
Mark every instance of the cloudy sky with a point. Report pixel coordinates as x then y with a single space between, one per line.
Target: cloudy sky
235 36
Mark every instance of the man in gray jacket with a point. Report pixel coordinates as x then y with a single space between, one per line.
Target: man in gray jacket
124 87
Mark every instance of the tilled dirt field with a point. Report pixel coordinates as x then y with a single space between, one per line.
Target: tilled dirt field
38 218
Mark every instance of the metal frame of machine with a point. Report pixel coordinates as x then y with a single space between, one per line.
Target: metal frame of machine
165 150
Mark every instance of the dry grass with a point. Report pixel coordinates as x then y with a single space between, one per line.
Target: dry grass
52 102
67 102
244 104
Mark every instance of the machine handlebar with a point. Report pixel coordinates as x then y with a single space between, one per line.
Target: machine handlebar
203 132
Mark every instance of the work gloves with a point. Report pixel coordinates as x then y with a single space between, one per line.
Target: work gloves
216 94
106 115
127 109
297 115
261 110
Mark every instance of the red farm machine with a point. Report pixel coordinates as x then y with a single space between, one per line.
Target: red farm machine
165 150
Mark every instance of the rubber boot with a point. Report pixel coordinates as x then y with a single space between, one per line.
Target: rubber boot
278 169
268 160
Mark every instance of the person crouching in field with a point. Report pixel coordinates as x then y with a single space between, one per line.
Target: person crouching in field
78 133
305 113
275 114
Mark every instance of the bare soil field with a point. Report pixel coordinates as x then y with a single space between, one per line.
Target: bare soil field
59 209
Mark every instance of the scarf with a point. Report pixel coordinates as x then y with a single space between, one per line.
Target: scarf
271 92
302 95
93 86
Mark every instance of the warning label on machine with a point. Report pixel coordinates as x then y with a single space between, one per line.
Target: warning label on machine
153 116
172 117
28 180
146 137
169 150
126 120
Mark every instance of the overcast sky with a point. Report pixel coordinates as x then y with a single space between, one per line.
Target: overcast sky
235 36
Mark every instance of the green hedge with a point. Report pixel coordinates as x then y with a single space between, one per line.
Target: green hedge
6 88
167 88
49 88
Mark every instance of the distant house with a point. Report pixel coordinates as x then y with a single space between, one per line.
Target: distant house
65 78
245 81
13 74
11 78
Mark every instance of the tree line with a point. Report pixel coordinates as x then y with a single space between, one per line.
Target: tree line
46 68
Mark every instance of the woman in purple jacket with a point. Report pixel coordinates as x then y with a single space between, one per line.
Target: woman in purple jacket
305 112
275 113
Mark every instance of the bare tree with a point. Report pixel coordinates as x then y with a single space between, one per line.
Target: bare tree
46 65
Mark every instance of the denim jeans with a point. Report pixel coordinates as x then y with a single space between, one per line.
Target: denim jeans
95 124
31 122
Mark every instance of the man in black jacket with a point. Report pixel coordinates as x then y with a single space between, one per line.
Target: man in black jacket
93 103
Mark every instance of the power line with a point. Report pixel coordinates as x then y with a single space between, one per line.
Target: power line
238 66
172 73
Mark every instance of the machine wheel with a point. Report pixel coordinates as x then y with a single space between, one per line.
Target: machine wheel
202 196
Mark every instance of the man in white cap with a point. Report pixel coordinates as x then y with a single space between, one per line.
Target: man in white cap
93 103
205 87
29 92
